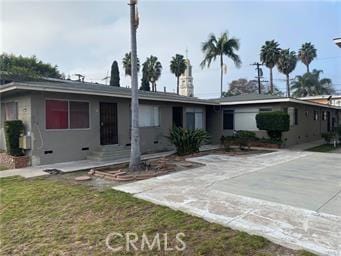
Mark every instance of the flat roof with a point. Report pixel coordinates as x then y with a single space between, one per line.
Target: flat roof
75 87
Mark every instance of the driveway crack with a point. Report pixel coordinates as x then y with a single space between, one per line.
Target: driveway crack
330 199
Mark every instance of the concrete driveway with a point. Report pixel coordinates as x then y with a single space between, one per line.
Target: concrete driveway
292 198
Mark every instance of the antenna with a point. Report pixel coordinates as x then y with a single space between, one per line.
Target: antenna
80 77
106 78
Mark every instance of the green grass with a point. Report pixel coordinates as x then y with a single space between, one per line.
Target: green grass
52 217
2 168
323 148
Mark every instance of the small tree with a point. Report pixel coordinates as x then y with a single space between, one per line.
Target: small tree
274 123
13 130
115 75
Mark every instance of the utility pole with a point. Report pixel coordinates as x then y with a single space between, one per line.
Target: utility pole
259 75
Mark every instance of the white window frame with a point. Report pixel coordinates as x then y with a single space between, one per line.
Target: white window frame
154 107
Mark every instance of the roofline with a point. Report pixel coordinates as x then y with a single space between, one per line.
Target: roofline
288 100
23 86
12 87
320 97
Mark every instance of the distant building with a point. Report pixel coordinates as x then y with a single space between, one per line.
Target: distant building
334 100
186 81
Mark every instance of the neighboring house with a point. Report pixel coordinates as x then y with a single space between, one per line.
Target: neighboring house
68 120
334 100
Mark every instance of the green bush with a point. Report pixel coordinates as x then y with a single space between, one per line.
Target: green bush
187 141
328 136
274 123
13 130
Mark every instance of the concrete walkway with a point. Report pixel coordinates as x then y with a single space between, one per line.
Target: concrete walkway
308 145
292 198
73 166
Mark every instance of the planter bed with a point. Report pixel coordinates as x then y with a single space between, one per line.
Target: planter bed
13 162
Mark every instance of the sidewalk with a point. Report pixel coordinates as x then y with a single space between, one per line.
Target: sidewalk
35 171
305 146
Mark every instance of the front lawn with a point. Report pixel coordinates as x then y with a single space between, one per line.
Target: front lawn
324 148
2 168
44 216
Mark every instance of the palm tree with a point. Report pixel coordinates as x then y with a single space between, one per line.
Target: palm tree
306 54
310 84
220 47
127 64
177 67
135 154
153 69
269 56
286 64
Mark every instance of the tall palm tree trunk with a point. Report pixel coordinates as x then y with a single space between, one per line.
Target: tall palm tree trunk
308 71
271 82
288 85
177 85
221 75
135 154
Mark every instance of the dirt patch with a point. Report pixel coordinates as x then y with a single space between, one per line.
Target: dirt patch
154 167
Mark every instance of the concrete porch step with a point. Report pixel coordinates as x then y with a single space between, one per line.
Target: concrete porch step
109 152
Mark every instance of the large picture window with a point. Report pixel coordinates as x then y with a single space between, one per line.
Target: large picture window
62 114
149 116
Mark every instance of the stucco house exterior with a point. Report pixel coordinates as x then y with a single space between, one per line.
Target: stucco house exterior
69 120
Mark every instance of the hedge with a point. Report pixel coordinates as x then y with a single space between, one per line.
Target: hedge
13 130
274 123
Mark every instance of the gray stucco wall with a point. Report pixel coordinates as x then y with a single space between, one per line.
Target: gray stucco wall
67 144
307 129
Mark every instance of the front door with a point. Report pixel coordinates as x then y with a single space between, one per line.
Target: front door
177 116
108 123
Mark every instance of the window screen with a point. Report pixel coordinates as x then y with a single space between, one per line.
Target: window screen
79 115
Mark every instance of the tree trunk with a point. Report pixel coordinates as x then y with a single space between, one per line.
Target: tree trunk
308 71
221 75
271 82
135 154
288 85
177 85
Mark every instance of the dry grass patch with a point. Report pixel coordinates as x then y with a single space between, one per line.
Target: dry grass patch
52 217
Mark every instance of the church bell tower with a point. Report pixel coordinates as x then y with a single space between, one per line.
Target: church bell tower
186 81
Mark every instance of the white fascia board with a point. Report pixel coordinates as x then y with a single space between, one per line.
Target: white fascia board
44 89
276 101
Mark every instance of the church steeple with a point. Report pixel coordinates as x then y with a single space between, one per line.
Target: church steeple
186 79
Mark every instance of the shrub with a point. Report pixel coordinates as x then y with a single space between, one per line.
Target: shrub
274 123
13 130
187 141
244 138
328 136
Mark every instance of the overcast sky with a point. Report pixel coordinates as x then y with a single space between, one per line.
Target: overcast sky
86 36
